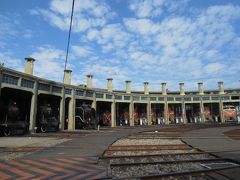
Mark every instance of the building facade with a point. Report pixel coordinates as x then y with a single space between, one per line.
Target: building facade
137 108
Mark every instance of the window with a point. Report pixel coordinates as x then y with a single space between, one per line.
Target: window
235 97
108 96
26 83
126 97
79 92
161 98
118 97
136 98
153 98
187 99
68 91
43 87
170 99
178 99
225 97
56 89
89 94
144 98
196 98
99 95
10 79
205 98
215 98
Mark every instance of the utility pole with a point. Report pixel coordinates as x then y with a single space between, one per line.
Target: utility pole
1 74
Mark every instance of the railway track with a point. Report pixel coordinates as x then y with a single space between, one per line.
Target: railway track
162 155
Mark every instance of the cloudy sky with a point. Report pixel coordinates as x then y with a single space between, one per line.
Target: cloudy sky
157 41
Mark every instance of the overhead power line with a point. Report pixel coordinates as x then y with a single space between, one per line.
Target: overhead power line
69 38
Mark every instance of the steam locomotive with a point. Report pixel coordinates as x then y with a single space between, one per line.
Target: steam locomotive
47 119
11 122
85 117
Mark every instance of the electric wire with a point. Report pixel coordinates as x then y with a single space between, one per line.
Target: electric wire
69 38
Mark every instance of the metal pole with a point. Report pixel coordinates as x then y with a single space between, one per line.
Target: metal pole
1 70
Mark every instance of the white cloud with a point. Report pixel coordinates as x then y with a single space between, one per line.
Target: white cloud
49 63
10 61
110 36
154 8
81 51
213 68
142 26
87 14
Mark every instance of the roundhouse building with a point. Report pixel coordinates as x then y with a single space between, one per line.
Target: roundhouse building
122 107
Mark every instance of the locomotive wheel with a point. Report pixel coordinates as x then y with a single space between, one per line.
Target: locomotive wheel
43 128
6 131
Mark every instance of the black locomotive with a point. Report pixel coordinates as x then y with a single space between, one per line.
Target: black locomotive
85 117
48 119
12 122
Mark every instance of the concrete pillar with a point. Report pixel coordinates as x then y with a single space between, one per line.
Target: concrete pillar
67 76
29 65
131 111
71 111
94 103
146 88
128 87
182 90
166 116
164 88
109 84
62 110
90 81
221 112
113 114
33 109
200 88
221 87
149 113
184 113
202 111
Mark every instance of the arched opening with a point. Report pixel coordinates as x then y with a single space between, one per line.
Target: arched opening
15 111
48 113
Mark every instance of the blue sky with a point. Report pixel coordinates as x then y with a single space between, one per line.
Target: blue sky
157 41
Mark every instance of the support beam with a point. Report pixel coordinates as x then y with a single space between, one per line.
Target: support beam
166 112
62 110
131 111
222 120
149 112
202 111
71 111
94 103
184 113
113 114
33 109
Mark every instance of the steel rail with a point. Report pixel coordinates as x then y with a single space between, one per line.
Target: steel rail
172 162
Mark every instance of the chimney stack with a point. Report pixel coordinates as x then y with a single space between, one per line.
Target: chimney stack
221 88
200 88
109 84
128 86
90 81
67 76
29 65
146 88
182 91
164 88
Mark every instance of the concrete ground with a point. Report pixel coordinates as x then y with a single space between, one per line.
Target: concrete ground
76 156
213 140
